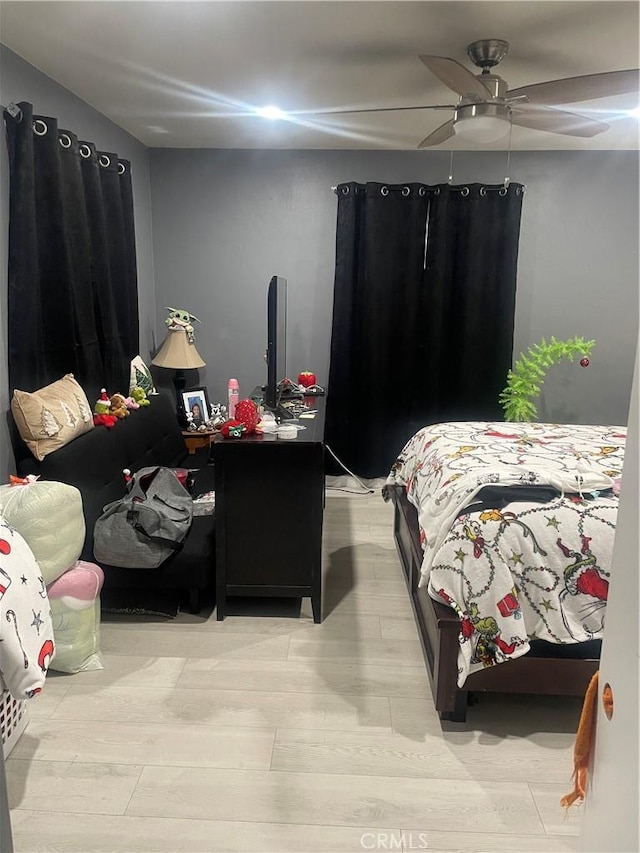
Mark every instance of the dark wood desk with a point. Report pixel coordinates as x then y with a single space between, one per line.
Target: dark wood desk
269 506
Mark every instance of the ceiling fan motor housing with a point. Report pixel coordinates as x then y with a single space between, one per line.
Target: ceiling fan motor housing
496 86
486 53
497 110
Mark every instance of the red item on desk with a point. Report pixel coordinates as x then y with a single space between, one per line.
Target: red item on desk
306 378
247 413
232 429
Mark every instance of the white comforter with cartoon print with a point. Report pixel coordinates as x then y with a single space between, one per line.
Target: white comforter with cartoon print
520 570
26 633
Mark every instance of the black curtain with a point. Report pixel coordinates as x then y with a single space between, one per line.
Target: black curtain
72 300
424 301
376 310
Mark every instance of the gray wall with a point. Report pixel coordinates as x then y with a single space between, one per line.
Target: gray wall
20 81
226 220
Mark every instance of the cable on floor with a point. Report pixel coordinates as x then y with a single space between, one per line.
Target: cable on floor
365 489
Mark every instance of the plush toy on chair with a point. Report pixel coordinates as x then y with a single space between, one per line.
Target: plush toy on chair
118 406
101 411
140 396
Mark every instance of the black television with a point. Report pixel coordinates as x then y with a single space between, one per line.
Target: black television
276 355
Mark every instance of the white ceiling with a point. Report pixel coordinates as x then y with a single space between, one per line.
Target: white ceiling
188 74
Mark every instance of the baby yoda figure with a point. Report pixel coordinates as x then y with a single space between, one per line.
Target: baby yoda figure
178 318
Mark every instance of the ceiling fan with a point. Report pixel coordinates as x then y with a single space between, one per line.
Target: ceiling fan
487 107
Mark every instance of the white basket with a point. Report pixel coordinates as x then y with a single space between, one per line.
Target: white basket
13 720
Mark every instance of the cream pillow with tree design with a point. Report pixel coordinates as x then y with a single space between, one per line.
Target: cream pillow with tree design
51 417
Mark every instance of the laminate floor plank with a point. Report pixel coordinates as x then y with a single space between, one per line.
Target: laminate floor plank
301 676
48 832
211 707
378 801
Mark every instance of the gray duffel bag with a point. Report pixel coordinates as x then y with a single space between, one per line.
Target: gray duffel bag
147 525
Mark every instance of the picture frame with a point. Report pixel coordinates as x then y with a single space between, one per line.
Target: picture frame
196 401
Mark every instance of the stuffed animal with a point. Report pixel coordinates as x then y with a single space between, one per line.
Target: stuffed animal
140 396
178 318
232 429
118 407
247 413
130 403
101 411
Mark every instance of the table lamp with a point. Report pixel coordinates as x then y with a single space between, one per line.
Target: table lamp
178 353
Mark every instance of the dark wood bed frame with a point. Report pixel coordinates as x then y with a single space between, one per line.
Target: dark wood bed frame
439 627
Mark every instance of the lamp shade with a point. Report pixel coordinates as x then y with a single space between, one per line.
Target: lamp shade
178 352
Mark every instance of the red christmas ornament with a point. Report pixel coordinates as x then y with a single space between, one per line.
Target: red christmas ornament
247 413
584 362
306 378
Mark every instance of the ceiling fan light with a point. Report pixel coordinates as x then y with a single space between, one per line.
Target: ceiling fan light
271 112
483 122
481 128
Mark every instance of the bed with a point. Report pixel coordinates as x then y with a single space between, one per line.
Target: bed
505 533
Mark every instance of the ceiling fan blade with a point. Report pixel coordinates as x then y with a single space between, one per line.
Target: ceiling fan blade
440 134
557 121
348 110
586 88
455 76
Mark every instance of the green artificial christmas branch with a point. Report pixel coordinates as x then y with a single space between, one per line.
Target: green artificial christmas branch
525 380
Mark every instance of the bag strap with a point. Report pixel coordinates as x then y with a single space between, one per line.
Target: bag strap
170 543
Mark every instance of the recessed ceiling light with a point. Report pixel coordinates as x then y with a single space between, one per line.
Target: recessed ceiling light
272 113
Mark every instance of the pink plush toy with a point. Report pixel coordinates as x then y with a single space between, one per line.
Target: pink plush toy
130 403
79 586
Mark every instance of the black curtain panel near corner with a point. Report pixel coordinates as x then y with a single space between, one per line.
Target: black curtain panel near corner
72 300
423 313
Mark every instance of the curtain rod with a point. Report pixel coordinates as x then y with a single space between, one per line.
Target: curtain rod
502 189
13 110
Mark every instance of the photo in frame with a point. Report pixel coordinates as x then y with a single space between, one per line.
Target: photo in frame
196 402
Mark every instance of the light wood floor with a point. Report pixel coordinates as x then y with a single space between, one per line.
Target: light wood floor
271 734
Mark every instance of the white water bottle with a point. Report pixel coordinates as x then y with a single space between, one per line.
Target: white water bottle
234 395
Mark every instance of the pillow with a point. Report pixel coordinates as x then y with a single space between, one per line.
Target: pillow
141 377
51 417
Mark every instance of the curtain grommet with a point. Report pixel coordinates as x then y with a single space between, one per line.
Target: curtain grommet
65 140
503 191
406 191
121 168
85 151
483 191
104 160
40 127
436 191
384 190
422 191
464 191
344 190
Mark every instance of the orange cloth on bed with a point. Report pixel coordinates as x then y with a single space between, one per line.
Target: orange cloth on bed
584 744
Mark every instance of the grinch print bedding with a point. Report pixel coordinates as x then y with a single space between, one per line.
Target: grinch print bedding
517 522
26 633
